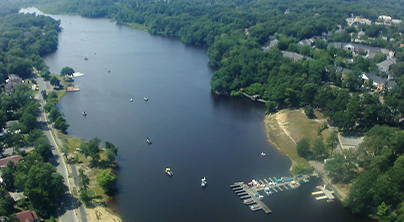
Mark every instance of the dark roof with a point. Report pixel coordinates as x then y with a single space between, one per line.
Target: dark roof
27 216
377 79
294 56
343 70
14 159
360 47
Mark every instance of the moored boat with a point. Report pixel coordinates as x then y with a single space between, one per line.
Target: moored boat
263 153
146 98
131 99
203 182
84 113
169 172
148 140
248 201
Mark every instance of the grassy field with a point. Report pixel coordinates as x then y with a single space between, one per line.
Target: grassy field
287 127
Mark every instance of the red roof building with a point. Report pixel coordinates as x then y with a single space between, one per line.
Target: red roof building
14 159
27 216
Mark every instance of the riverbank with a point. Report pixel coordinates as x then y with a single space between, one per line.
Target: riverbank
97 209
286 127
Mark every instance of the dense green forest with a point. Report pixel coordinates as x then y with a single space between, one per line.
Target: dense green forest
23 40
235 33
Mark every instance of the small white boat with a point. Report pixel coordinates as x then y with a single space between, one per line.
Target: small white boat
263 153
131 99
146 98
148 140
84 113
169 172
203 182
108 70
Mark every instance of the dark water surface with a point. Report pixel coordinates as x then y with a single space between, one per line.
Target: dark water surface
194 132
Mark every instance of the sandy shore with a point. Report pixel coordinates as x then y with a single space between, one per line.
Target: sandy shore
286 127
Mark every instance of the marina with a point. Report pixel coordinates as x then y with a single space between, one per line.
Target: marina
251 190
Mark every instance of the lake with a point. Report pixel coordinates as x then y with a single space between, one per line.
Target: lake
194 131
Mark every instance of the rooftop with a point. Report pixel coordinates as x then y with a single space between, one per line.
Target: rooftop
27 216
14 159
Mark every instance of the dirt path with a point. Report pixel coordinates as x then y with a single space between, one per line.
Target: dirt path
282 120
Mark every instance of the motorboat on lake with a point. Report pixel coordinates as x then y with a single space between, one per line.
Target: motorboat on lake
263 153
84 113
203 182
169 172
108 70
131 99
85 58
148 140
146 98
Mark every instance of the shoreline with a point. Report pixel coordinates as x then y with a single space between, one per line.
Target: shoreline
281 137
96 210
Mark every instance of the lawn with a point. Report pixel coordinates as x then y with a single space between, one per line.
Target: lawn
287 127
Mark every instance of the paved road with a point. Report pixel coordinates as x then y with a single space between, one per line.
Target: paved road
67 211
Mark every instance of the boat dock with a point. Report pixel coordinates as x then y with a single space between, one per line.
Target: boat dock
251 190
245 191
72 88
328 194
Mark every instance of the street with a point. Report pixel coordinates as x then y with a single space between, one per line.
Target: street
71 207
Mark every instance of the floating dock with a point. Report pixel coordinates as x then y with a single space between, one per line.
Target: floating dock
328 194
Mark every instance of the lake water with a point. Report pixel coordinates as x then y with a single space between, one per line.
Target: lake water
194 132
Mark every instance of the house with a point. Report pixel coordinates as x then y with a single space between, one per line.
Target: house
17 196
378 82
27 216
355 21
308 42
361 33
396 21
386 64
294 56
343 70
14 159
360 47
12 81
349 47
272 43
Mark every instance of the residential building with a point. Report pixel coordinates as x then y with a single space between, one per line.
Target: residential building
14 159
294 56
386 64
378 82
12 81
355 21
27 216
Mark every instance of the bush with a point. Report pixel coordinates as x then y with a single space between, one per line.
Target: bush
309 111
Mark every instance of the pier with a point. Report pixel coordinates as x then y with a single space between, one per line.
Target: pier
72 88
328 194
251 190
254 98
